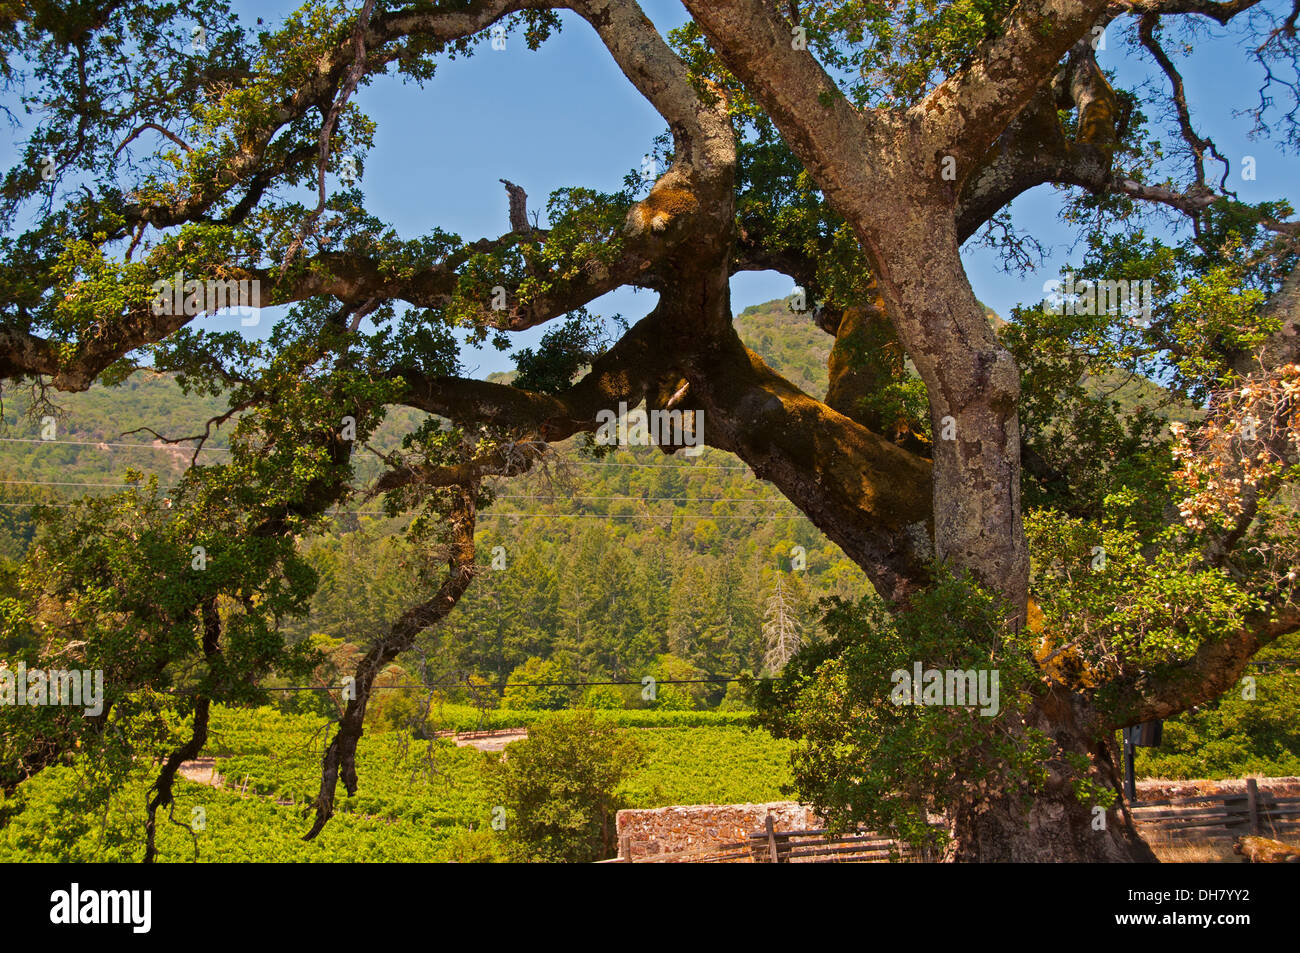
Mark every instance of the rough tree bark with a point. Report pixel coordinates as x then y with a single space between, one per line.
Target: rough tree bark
1053 824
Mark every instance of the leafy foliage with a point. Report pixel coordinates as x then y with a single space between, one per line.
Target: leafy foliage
558 788
864 757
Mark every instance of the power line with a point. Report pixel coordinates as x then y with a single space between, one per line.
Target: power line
644 516
103 445
551 516
591 516
106 445
59 483
641 499
657 466
465 683
171 448
502 496
770 517
490 513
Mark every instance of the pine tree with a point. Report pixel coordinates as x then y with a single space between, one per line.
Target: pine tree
781 628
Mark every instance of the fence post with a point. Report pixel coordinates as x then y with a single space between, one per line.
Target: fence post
771 840
1252 802
625 848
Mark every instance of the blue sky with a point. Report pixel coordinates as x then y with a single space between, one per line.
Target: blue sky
565 115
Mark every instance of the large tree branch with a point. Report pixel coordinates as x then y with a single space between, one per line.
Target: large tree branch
23 354
693 198
1192 202
702 134
1222 12
353 278
1216 667
867 494
870 496
340 756
624 373
822 127
1034 149
971 108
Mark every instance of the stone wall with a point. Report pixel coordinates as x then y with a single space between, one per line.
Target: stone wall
1160 790
670 830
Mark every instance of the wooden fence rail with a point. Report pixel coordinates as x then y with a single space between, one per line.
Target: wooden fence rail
770 846
1221 816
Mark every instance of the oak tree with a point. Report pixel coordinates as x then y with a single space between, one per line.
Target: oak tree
174 154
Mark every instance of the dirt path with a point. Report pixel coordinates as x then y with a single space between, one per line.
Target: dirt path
201 771
489 740
204 770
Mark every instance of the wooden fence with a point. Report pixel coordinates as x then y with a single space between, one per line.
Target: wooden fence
821 847
770 846
1220 817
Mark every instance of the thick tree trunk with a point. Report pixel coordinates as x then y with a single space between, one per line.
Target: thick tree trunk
1053 825
973 385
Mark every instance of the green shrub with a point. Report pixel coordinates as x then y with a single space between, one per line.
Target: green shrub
602 698
558 788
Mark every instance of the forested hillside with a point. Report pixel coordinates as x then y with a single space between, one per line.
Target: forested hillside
613 568
604 569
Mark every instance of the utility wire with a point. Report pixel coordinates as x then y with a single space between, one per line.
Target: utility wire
463 683
555 516
502 496
57 483
171 448
104 445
